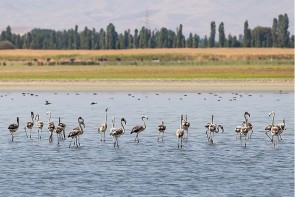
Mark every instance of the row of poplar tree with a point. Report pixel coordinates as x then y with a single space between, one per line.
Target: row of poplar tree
275 36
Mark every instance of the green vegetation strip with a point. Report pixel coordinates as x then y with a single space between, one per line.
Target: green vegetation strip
21 72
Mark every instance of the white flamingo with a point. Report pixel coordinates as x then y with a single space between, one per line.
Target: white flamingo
245 124
274 129
63 127
212 128
51 126
76 132
180 132
39 124
161 129
13 128
139 128
30 124
185 126
117 132
103 127
248 124
244 131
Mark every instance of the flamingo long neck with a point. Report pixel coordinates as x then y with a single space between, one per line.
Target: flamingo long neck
180 122
246 119
113 122
144 123
273 120
49 118
81 128
17 120
106 117
122 126
212 119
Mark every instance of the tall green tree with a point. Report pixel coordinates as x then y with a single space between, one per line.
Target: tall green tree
196 41
179 37
283 33
274 32
212 34
76 38
53 41
102 39
205 42
111 36
190 40
261 37
247 35
221 35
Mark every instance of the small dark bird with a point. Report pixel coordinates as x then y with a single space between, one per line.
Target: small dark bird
93 103
47 102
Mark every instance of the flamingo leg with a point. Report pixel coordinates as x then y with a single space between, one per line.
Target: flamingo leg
70 142
114 142
207 135
181 139
268 136
117 142
159 136
64 134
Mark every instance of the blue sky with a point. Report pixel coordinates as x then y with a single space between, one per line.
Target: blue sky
194 15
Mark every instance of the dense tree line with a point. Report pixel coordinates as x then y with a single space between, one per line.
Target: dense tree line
275 36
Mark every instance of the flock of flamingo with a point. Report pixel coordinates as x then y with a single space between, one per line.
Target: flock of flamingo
243 131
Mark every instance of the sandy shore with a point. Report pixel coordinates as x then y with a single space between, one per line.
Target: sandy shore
200 85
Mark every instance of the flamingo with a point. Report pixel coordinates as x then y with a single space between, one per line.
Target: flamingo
117 132
63 127
13 128
282 127
185 126
247 124
30 124
245 130
212 128
51 126
139 128
103 127
39 124
161 129
274 129
60 130
77 131
244 124
180 132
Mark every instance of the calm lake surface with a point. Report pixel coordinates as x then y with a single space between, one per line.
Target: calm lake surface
33 167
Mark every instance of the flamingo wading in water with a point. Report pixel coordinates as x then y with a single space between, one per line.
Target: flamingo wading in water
76 132
103 127
212 128
117 132
161 129
180 132
139 128
13 128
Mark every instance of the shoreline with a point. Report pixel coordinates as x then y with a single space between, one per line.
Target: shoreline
168 85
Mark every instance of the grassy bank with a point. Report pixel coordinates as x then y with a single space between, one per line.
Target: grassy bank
147 64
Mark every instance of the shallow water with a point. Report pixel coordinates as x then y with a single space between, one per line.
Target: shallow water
33 167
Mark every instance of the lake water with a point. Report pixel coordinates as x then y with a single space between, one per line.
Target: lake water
33 167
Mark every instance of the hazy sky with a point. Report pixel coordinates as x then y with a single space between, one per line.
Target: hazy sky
194 15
